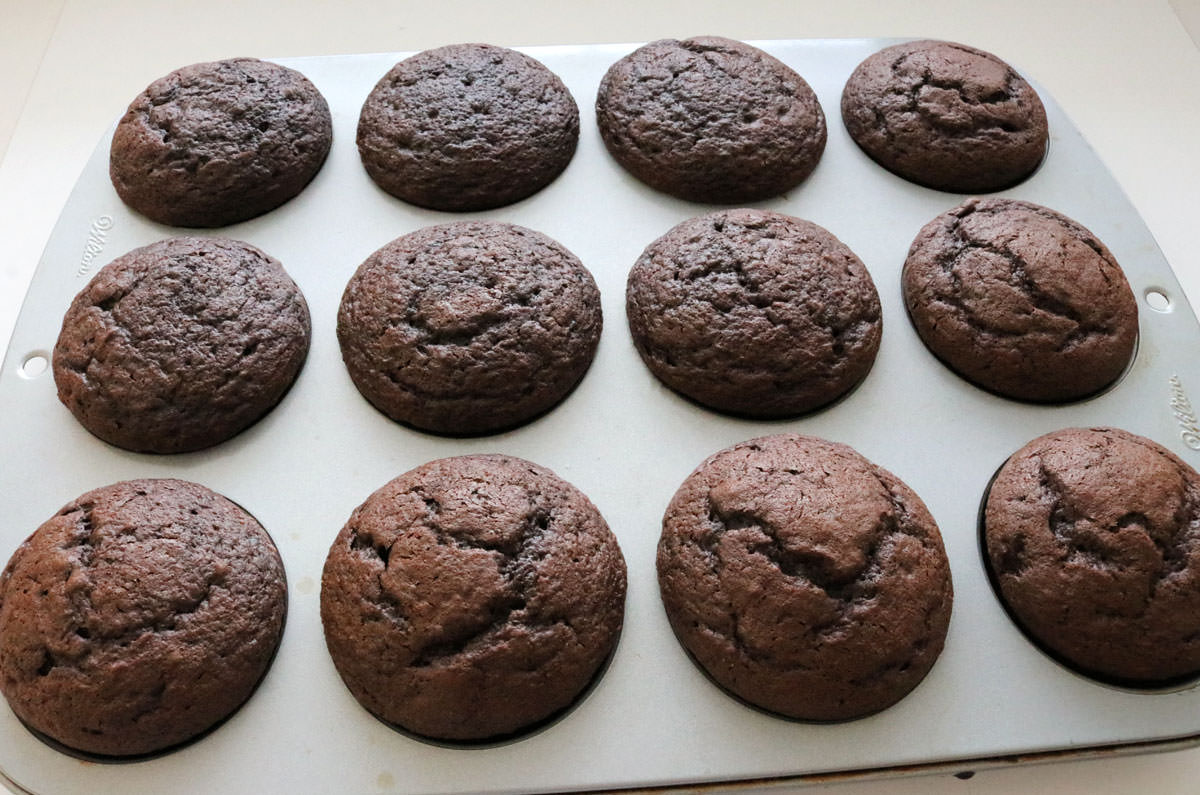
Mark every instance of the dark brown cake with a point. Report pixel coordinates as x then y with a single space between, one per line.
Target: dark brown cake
1092 536
215 143
804 579
1020 300
469 327
181 344
754 313
472 597
710 119
140 616
467 127
946 116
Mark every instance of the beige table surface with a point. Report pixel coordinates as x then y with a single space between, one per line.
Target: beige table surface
1127 73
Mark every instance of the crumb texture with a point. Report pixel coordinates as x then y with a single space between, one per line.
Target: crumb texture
138 617
1093 539
472 597
469 327
215 143
1021 300
804 579
710 119
754 313
946 116
181 344
467 127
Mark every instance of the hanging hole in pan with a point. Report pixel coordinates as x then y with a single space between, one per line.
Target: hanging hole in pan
34 364
1158 300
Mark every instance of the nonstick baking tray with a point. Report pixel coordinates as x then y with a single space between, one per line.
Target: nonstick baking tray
653 719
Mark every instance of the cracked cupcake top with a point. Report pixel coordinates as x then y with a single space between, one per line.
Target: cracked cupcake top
1092 538
804 579
469 327
1021 300
215 143
754 313
946 115
467 127
710 119
472 597
139 616
181 344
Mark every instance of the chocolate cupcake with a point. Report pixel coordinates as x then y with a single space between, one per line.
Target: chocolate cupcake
804 579
215 143
1020 300
1092 540
140 616
710 119
946 116
472 598
467 127
181 344
470 327
754 313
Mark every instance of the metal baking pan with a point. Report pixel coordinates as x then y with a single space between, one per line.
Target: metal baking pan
653 719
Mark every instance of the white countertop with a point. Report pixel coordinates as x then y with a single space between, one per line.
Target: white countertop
1128 74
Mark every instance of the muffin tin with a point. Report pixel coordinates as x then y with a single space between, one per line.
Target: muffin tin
652 719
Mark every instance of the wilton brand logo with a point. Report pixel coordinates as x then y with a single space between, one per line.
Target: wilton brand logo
1189 429
97 234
